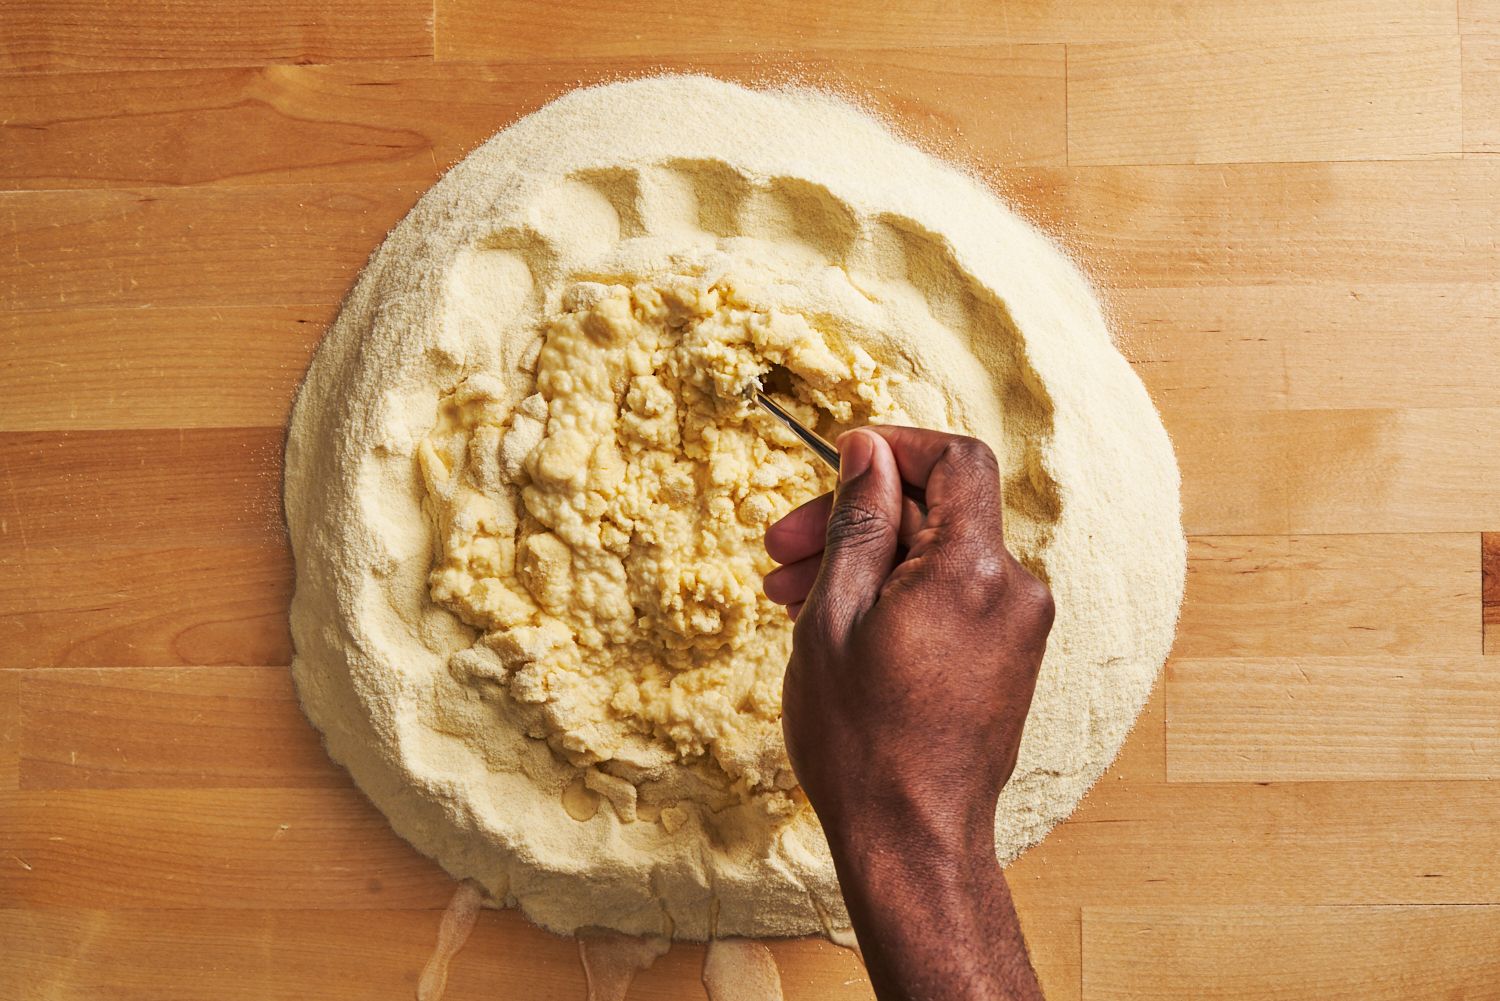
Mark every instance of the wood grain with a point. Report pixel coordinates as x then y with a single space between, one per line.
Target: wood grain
1185 102
1481 89
1143 756
1273 224
1322 842
1330 595
812 968
165 955
408 121
159 955
1200 350
1377 472
1054 940
188 247
318 849
1217 349
165 487
1490 561
94 606
1479 16
1345 471
809 968
158 34
1318 718
532 29
97 369
185 955
281 849
1247 596
1262 953
1159 227
168 728
10 730
1302 843
340 122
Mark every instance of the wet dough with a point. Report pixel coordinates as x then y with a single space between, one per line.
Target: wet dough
606 531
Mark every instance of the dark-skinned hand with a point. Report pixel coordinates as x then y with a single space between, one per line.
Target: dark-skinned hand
915 653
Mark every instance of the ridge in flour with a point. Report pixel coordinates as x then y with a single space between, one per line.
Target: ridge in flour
811 210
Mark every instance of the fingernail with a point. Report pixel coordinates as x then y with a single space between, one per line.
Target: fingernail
855 452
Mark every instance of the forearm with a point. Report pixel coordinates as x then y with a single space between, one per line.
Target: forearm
934 921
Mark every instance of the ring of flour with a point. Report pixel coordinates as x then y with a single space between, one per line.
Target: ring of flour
814 209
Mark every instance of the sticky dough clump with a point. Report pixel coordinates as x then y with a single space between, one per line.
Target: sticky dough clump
606 534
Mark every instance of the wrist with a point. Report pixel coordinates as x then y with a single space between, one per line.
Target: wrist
896 882
929 902
932 843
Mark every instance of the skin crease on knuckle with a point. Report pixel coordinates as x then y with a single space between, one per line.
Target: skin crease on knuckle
979 469
971 453
855 524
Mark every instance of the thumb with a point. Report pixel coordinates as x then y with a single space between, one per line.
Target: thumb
863 530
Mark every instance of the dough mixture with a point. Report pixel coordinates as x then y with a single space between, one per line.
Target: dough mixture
606 533
527 497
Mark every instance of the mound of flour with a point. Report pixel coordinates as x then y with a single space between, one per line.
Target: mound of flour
808 209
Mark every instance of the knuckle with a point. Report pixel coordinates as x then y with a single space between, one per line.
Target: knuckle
998 580
976 471
1032 605
856 523
991 569
976 458
972 451
1040 602
982 579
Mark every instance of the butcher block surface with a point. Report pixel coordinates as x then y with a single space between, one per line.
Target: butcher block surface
1292 209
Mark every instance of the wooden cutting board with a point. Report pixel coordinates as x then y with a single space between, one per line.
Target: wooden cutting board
1294 209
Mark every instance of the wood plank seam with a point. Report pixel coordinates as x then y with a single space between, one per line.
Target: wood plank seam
1489 559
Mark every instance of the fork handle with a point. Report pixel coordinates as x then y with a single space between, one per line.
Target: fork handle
824 450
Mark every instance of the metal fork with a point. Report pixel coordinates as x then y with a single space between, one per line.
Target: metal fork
818 444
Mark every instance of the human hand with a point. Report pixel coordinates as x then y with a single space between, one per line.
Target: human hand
917 642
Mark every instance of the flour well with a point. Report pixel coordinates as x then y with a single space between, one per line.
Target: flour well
536 662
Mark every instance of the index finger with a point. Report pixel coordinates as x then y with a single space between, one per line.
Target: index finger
799 534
